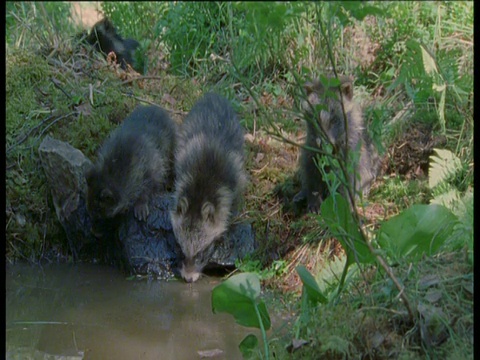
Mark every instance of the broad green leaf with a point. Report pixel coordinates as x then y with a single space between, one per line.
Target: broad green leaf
248 344
419 230
443 164
238 296
311 286
339 219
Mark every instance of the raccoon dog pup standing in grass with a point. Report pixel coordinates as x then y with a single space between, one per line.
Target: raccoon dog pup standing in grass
105 38
132 165
327 123
210 179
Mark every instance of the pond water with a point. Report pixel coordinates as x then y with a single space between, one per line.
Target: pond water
87 311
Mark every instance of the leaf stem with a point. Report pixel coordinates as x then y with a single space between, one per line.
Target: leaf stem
264 333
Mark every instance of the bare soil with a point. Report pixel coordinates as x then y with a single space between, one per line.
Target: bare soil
86 13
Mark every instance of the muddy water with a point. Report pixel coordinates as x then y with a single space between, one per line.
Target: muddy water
94 312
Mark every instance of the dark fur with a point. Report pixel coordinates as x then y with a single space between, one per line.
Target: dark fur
133 164
331 121
210 178
105 39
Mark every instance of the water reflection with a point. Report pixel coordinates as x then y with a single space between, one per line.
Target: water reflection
93 312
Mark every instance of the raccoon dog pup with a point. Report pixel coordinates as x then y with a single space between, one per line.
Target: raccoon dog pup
330 120
132 165
106 39
210 179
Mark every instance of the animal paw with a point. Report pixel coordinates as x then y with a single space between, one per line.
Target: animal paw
141 211
314 203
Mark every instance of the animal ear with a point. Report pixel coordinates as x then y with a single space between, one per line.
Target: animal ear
347 90
182 205
208 211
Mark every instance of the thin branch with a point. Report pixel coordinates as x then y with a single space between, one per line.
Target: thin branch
55 121
141 78
178 112
25 137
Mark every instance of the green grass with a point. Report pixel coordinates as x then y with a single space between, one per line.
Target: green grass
369 319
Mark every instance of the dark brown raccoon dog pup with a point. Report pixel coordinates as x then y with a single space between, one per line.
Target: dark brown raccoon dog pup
210 179
133 164
106 39
330 128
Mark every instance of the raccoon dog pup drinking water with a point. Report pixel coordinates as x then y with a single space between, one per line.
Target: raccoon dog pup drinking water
210 179
132 165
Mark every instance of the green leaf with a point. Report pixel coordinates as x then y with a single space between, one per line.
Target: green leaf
429 63
443 164
419 230
449 199
314 293
338 216
441 107
359 11
238 296
248 344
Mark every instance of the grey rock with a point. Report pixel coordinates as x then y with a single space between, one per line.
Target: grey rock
150 246
64 168
236 244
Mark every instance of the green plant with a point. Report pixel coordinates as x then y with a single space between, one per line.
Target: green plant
36 24
418 231
445 172
431 69
276 268
239 296
133 19
191 33
344 226
311 297
447 179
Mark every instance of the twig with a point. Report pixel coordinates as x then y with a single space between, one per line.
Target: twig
178 112
396 312
28 134
40 323
55 121
392 276
57 85
141 78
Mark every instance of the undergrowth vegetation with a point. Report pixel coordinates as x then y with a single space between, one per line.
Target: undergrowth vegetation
391 279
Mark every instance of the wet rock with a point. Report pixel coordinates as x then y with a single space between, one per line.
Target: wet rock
238 242
138 247
64 168
151 248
